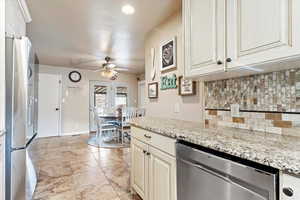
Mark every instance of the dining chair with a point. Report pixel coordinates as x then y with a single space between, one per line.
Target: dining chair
104 127
127 114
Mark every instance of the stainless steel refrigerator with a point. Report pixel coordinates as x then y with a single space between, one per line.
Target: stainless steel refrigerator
21 117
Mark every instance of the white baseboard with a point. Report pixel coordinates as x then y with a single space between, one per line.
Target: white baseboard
75 133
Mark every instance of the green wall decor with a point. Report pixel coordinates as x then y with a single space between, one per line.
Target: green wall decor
168 82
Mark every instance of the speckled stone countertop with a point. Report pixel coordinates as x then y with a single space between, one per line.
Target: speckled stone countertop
281 152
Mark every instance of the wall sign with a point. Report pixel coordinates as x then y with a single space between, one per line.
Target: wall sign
168 82
186 87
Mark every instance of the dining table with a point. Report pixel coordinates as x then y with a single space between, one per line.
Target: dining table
94 140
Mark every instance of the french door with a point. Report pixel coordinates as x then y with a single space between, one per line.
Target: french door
106 97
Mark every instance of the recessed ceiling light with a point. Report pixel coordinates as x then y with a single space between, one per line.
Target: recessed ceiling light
128 9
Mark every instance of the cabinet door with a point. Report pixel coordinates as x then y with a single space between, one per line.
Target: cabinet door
293 184
162 176
262 31
139 171
204 36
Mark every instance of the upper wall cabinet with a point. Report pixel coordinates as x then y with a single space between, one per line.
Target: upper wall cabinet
204 36
262 31
239 34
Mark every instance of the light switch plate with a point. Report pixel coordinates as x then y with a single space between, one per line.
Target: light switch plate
176 107
235 110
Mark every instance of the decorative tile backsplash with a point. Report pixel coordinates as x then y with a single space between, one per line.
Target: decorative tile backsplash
268 102
276 91
279 123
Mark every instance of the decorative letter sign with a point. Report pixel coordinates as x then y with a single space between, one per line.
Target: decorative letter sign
168 82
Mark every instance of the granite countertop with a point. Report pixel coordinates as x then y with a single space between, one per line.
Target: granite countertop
281 152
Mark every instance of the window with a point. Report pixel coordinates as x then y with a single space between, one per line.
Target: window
100 97
121 96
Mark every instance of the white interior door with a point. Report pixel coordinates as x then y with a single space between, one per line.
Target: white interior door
49 105
142 93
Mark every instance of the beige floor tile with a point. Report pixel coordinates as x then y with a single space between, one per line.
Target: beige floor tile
70 169
94 192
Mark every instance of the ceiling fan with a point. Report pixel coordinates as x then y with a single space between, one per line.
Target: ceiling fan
109 69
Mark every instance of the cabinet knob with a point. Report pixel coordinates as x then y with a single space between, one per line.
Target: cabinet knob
288 191
147 136
144 151
228 60
219 62
148 154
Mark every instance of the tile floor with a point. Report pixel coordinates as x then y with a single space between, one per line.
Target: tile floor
69 169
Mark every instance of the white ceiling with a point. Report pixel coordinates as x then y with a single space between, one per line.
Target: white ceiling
71 32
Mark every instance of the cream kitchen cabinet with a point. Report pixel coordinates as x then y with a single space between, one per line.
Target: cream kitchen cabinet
139 169
290 187
239 34
162 175
153 173
265 33
204 36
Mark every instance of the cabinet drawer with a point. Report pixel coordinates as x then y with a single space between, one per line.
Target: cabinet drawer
160 142
290 184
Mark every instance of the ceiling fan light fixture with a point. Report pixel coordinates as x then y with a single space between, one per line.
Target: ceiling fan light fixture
128 9
109 73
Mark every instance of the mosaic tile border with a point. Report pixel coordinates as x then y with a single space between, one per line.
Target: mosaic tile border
278 123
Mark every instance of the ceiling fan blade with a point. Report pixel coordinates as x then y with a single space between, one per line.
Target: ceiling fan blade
87 62
99 70
111 65
121 69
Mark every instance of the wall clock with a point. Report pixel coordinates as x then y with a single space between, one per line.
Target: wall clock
74 76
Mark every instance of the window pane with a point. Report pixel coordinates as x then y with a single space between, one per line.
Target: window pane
100 97
121 96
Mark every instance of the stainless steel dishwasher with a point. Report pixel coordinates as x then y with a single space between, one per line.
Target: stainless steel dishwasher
204 174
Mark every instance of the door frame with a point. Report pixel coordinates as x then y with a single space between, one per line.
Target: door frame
112 86
60 102
139 89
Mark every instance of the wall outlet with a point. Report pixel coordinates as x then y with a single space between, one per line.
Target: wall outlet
235 110
176 108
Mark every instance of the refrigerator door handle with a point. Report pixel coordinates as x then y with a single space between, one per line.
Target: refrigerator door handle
27 144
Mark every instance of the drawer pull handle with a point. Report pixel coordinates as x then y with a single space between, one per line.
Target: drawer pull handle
288 191
147 136
181 137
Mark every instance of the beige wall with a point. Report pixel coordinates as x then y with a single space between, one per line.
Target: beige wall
75 105
190 108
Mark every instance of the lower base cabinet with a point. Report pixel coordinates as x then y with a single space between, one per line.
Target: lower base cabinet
153 173
139 168
162 176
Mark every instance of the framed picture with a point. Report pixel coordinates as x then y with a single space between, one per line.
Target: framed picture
153 90
168 54
186 87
